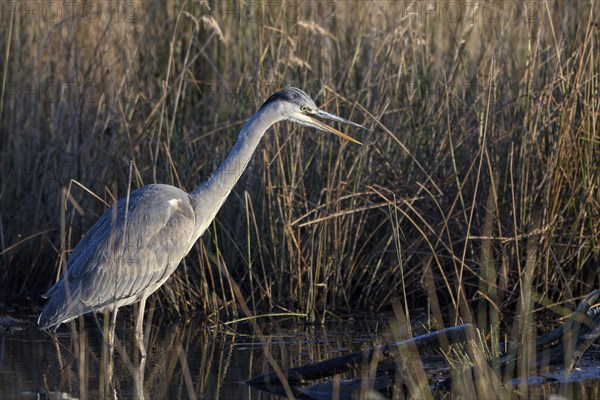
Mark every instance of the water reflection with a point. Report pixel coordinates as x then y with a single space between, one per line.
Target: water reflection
185 360
191 360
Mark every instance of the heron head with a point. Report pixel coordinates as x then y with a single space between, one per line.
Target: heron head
297 106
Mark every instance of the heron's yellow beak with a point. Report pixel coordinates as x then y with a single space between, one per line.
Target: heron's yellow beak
334 131
331 117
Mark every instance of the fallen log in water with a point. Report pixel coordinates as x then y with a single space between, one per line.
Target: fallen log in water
563 346
299 376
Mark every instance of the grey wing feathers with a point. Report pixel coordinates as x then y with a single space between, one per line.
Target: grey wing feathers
124 254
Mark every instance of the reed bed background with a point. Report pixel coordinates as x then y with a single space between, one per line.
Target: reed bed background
477 183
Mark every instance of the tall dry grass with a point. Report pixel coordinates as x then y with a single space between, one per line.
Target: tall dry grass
477 184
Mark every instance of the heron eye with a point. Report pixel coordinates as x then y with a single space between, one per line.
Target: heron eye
306 109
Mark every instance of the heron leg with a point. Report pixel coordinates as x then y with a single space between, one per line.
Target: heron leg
139 327
111 350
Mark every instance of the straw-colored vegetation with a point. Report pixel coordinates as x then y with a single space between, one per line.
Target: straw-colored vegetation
477 184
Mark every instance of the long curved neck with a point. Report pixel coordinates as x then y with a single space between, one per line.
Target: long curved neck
208 198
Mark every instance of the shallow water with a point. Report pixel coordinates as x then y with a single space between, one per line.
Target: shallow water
192 360
208 361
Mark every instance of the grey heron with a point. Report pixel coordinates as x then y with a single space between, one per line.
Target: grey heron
139 241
